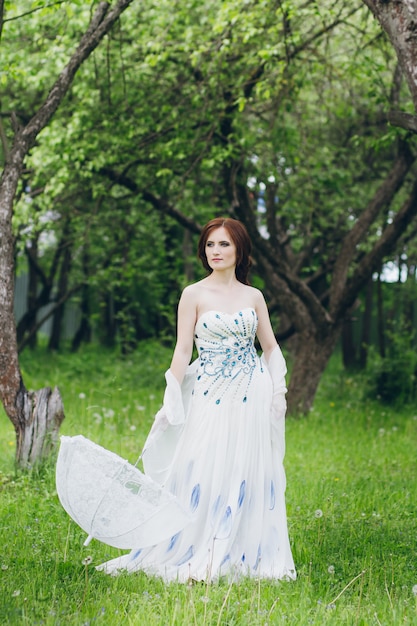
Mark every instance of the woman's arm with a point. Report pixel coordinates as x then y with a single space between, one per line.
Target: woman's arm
187 317
264 332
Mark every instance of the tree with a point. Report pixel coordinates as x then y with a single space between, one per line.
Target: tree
36 416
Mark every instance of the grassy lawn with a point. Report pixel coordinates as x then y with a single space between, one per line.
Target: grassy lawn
351 499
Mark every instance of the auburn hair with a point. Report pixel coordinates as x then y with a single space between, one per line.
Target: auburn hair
239 236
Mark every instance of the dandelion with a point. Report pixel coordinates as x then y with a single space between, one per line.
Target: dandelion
414 590
97 418
4 567
16 593
132 427
205 599
330 569
318 513
331 606
139 407
81 396
381 432
87 560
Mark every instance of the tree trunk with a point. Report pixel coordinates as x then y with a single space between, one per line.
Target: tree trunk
109 324
83 334
366 324
311 358
32 295
409 294
27 326
36 416
188 254
55 338
40 416
348 344
380 317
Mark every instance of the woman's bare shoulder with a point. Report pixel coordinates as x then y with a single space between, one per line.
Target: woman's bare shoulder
193 289
192 293
256 294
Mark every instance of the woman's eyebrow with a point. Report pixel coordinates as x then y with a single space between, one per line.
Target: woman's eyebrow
222 241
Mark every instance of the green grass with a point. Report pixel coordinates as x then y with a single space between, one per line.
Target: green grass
351 498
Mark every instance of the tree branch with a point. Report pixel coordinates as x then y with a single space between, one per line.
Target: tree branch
168 209
403 120
98 27
3 140
40 8
382 197
2 20
385 244
158 203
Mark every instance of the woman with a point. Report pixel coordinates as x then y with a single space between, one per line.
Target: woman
218 441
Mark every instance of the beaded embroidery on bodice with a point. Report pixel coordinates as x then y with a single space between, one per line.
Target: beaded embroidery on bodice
227 354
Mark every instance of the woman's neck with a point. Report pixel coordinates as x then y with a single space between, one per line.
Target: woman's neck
225 279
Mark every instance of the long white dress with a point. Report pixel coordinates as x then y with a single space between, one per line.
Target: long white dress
218 445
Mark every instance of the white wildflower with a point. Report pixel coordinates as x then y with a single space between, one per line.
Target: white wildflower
97 418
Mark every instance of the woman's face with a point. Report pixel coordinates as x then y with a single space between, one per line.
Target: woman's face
220 250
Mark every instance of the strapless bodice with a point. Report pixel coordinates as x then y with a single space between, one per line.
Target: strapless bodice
225 344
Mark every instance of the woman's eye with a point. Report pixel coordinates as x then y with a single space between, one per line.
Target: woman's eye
225 244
